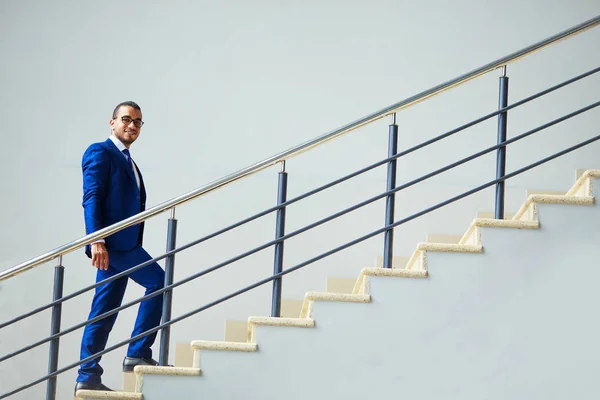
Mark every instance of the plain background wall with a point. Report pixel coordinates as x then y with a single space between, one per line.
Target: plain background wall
225 84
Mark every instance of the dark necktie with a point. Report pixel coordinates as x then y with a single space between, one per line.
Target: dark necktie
126 152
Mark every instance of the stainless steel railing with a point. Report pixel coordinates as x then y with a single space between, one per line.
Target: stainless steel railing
296 150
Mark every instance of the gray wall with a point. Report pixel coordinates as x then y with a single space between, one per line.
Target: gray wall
225 84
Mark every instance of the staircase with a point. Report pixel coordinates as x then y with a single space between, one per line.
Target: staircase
507 312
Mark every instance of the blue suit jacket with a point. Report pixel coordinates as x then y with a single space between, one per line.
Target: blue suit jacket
110 195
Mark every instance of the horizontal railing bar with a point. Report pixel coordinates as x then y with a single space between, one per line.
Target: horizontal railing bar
516 138
312 192
117 276
294 151
301 230
312 260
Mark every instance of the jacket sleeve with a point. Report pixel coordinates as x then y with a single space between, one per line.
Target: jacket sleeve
96 168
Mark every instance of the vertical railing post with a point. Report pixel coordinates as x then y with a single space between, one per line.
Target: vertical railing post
279 232
59 274
501 153
390 199
165 334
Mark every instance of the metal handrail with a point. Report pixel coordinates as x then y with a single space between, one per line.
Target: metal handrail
315 191
310 261
284 237
296 150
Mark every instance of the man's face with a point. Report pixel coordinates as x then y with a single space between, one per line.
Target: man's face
126 125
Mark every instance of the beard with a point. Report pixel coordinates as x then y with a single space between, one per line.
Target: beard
127 138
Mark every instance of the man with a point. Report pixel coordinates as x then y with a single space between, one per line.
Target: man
113 190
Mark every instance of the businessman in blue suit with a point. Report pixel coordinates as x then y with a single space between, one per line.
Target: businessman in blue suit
113 190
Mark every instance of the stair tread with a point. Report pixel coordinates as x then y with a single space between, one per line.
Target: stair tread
227 346
552 199
362 282
342 297
560 199
274 321
311 297
506 223
468 237
102 394
449 247
402 273
160 370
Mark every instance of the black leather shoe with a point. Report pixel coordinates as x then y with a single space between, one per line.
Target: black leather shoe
90 386
129 363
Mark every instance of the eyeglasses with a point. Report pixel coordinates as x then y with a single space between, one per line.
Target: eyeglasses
127 120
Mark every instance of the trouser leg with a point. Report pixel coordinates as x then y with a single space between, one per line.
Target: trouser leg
107 297
151 277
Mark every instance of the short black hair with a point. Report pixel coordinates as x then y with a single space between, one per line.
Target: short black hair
126 104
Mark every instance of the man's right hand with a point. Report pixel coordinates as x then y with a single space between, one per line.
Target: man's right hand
99 256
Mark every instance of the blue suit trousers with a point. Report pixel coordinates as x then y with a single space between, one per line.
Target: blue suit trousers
108 297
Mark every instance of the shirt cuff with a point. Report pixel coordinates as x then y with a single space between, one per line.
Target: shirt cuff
97 241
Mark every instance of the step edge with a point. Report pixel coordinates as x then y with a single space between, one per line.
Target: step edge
224 346
311 297
160 370
561 199
392 272
274 321
103 394
450 248
340 297
506 223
